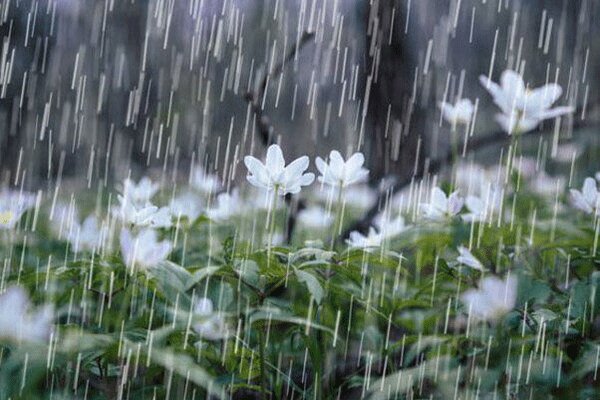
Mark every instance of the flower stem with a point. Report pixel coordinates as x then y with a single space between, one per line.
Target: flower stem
261 353
514 141
454 140
339 216
271 220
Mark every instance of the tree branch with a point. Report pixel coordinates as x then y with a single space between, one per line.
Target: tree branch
265 127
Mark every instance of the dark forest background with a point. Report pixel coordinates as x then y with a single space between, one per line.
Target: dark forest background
91 91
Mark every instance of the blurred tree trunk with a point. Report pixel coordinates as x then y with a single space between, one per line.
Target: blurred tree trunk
395 117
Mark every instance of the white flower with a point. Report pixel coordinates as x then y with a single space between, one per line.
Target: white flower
315 217
467 258
390 228
87 236
204 182
459 113
142 215
358 240
186 205
587 199
484 207
141 193
493 299
212 326
18 323
523 109
516 122
274 175
162 218
228 205
546 185
340 173
143 250
13 205
440 206
90 234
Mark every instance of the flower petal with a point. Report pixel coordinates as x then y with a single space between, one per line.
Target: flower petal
296 168
589 191
512 83
542 97
275 161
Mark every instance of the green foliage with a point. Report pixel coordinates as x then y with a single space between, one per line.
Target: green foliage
312 322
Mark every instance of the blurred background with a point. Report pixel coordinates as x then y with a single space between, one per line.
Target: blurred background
93 91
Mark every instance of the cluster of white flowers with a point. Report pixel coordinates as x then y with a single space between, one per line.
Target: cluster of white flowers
274 175
143 243
138 240
139 237
135 206
522 109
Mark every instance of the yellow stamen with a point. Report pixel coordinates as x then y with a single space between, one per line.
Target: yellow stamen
5 217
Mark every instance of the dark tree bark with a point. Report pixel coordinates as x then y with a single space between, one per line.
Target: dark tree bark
397 70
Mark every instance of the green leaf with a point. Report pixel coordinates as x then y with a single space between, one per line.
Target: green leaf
75 341
532 291
248 271
275 315
312 252
171 279
398 383
311 281
587 362
184 366
171 275
201 274
546 314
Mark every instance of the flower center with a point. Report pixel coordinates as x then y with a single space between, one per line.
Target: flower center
6 217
